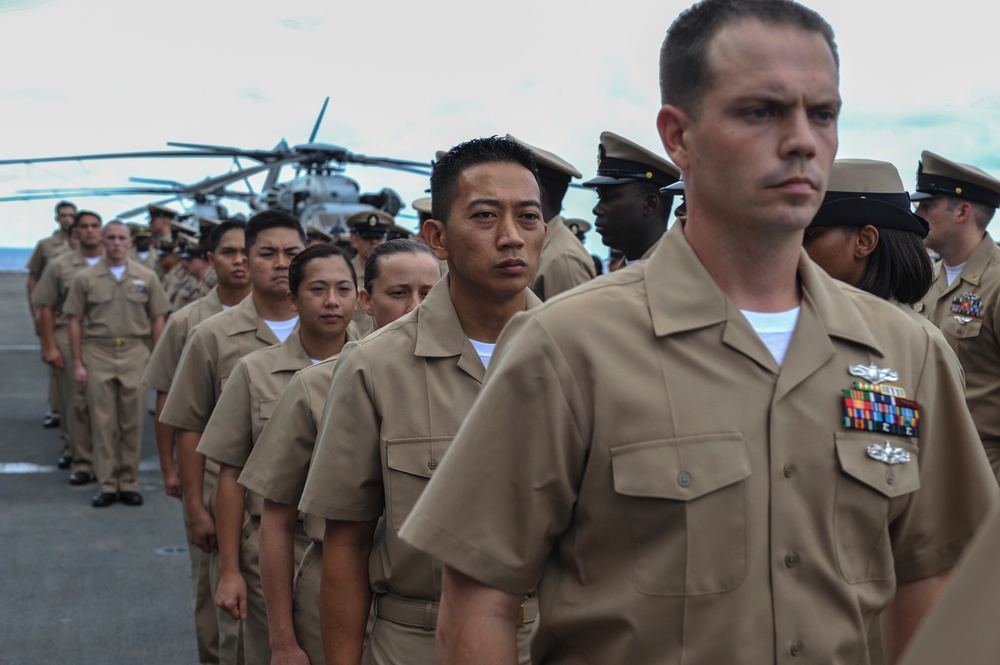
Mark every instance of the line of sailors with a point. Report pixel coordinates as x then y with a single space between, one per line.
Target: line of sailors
247 396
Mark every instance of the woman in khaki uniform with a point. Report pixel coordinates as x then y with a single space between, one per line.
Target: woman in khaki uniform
322 290
398 276
116 309
399 396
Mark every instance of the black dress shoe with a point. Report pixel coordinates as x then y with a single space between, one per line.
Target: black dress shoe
130 498
50 421
103 499
65 461
80 478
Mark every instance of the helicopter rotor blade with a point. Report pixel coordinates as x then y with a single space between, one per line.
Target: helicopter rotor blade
386 162
319 120
154 154
156 181
226 151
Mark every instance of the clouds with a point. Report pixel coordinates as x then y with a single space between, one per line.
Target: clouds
407 79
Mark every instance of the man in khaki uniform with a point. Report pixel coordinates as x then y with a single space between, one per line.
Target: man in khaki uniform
404 271
45 251
160 218
958 201
787 459
632 213
213 348
49 296
116 311
47 248
228 259
198 268
564 263
142 250
323 291
399 396
369 229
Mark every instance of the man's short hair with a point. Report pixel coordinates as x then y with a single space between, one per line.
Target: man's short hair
113 222
397 246
271 219
219 230
297 268
685 74
65 204
80 214
491 150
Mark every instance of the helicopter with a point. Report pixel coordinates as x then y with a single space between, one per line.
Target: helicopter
319 194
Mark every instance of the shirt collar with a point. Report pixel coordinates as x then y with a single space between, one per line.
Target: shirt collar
682 296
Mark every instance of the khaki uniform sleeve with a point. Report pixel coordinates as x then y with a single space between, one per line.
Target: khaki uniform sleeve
228 436
345 478
76 299
530 471
957 486
566 272
279 462
36 264
158 303
164 358
193 391
46 292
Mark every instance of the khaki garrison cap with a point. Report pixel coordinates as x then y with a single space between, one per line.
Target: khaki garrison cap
550 165
937 176
138 230
396 231
423 205
177 228
864 192
370 223
206 224
620 161
579 227
156 211
313 231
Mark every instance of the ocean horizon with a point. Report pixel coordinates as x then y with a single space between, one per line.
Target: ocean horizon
14 259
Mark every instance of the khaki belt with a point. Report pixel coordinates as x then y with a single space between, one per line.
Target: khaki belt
424 613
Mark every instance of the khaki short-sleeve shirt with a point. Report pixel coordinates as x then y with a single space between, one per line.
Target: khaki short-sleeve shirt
684 499
163 361
968 314
246 404
564 263
279 462
116 308
212 350
961 627
45 250
53 286
397 399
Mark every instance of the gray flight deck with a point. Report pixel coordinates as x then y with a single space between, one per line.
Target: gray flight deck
78 584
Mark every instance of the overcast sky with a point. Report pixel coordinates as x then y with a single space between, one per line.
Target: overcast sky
409 78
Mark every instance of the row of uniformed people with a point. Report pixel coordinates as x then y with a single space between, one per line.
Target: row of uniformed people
397 598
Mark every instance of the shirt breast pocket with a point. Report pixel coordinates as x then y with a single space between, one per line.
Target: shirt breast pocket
264 409
411 463
870 494
98 296
684 501
952 327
